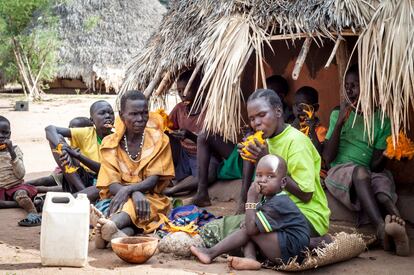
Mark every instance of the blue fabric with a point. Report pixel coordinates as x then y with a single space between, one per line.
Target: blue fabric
103 206
190 213
186 166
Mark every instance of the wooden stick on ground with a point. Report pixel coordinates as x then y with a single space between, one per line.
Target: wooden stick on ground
193 76
301 58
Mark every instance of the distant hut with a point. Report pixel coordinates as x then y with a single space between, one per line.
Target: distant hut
237 44
99 37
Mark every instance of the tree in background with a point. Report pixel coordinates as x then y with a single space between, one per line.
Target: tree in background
29 57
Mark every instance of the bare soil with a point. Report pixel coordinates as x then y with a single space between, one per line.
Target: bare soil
19 247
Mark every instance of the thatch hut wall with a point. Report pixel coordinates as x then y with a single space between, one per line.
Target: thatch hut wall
99 37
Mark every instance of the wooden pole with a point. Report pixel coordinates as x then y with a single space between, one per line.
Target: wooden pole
301 58
342 57
333 53
165 84
191 80
151 86
304 35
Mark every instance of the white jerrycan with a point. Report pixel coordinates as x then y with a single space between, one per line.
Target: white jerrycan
64 233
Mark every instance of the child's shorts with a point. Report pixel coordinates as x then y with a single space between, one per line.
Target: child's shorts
292 245
7 194
339 183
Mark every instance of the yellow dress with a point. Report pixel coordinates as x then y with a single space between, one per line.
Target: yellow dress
156 159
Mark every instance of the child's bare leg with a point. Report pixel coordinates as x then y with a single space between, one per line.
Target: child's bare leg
395 228
236 240
45 189
8 204
361 179
187 185
268 244
249 261
23 200
205 145
44 181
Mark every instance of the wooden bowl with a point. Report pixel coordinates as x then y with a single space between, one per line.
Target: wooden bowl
134 250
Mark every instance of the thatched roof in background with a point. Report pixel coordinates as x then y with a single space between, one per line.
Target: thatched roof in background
220 36
187 24
99 37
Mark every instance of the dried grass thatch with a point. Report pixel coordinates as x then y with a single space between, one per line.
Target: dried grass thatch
386 60
99 37
202 32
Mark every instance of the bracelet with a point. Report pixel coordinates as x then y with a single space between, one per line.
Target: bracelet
250 205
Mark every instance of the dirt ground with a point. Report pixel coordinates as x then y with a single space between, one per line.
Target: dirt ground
19 247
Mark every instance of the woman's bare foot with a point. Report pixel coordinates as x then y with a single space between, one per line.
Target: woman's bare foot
243 263
395 228
94 215
201 200
109 230
99 242
202 254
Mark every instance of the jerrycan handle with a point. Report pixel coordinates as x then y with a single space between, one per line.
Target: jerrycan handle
59 198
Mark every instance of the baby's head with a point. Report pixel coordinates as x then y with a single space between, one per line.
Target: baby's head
4 129
270 173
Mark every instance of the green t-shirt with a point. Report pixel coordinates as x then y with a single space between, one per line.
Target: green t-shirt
353 142
304 164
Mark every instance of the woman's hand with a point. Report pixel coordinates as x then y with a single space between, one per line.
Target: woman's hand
142 205
119 200
257 150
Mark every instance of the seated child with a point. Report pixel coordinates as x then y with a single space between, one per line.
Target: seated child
12 187
305 107
273 222
357 177
279 84
53 182
88 140
187 124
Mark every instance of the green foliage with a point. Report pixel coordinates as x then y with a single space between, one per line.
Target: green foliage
91 22
39 46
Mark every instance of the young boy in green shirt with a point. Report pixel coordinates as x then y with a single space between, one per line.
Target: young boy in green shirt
357 177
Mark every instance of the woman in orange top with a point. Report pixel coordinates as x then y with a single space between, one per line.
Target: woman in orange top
136 167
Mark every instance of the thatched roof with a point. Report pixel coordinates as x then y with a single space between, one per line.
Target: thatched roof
99 37
187 24
198 33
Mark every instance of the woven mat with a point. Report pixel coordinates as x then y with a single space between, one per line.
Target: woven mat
344 247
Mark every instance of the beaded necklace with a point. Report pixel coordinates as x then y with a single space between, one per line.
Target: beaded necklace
133 158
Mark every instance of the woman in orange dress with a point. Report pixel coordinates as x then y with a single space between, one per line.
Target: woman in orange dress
136 167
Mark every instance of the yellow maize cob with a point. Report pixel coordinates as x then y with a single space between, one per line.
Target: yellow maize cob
250 140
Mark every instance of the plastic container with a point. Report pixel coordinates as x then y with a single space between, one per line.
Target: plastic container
64 233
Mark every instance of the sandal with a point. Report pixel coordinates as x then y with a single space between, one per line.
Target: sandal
32 219
38 201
